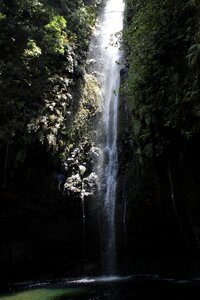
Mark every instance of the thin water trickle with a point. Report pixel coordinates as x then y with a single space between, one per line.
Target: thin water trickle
84 226
104 49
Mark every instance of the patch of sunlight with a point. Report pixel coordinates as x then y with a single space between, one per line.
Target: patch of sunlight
42 294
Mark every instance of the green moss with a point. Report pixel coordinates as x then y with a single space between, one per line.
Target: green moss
89 106
42 294
162 87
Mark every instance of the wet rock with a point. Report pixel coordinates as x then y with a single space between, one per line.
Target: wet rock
95 153
90 183
91 62
124 72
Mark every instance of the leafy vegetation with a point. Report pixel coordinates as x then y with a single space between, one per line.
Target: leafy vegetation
43 49
161 40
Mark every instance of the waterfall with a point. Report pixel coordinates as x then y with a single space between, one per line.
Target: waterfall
105 56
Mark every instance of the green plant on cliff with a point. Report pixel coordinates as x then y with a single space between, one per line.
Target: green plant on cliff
161 40
56 37
43 46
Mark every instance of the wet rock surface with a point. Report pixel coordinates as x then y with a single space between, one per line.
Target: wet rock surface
157 206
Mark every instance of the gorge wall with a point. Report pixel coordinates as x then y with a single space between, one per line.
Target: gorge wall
158 137
48 107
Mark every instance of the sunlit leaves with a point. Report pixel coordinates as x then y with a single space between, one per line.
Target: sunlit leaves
2 17
32 50
56 37
43 43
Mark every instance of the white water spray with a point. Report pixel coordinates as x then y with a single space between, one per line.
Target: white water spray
106 55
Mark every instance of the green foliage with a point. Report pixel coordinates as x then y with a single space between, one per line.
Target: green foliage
32 50
43 43
2 17
161 40
56 37
88 108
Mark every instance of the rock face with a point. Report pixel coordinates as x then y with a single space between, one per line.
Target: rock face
42 218
47 167
158 206
158 139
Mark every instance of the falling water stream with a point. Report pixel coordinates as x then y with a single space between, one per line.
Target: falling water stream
105 51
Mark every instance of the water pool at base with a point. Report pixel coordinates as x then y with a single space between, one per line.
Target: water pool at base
109 287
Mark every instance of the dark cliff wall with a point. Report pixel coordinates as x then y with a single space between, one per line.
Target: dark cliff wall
47 107
158 137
